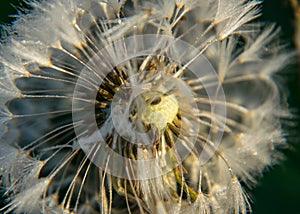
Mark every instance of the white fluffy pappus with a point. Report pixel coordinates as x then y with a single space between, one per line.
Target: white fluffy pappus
58 54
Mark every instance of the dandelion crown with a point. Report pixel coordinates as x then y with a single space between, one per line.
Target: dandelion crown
115 106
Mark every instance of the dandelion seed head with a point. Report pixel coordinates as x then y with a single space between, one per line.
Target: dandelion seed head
122 106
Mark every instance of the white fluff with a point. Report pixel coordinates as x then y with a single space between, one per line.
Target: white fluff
50 62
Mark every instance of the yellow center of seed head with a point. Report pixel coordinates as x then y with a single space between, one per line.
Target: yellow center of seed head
160 111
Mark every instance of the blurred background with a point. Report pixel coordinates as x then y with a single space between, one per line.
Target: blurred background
278 191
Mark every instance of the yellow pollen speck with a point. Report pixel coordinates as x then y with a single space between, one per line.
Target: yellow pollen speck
159 114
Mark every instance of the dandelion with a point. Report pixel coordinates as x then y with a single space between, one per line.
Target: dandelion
138 106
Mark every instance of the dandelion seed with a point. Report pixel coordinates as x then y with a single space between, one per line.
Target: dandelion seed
138 106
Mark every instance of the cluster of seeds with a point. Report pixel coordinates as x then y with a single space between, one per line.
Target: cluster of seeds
161 106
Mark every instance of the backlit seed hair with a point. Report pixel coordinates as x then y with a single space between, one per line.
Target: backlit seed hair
146 107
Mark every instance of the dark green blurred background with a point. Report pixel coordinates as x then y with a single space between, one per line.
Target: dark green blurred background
278 191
